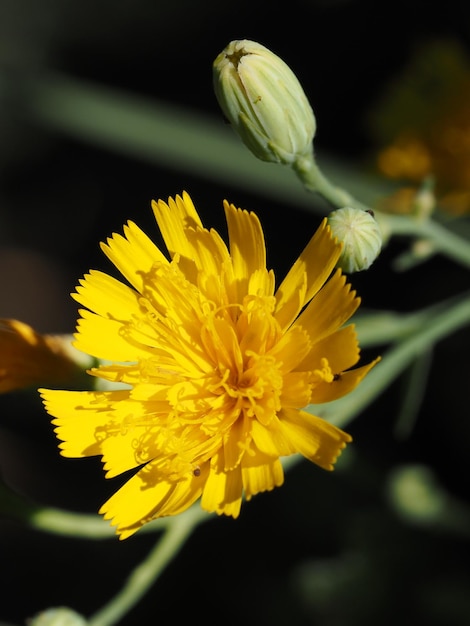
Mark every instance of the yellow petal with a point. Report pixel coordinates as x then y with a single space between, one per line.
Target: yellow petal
208 250
174 219
288 308
235 443
271 440
84 418
261 473
107 296
262 283
103 338
247 246
128 374
296 389
340 348
124 449
292 348
146 496
223 490
330 308
134 254
340 386
316 439
307 275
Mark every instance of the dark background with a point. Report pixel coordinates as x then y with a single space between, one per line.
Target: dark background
326 549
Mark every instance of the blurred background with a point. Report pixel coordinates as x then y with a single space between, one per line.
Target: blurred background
83 89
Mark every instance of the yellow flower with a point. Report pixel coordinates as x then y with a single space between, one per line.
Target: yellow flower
218 365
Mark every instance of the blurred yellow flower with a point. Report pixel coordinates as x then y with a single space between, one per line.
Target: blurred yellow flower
422 125
29 358
407 157
217 365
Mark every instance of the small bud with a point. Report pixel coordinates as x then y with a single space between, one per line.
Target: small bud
60 616
263 100
360 235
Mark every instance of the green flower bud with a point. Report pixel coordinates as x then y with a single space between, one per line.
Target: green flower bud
417 495
264 101
59 616
360 235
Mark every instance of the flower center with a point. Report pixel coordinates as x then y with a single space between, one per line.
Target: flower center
238 339
257 390
222 373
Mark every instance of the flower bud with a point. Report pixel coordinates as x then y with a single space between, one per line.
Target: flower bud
60 616
360 235
264 101
29 358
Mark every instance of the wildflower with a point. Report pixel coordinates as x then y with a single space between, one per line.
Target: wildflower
264 101
29 358
218 365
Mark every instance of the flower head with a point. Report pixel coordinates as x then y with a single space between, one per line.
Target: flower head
264 101
360 235
217 365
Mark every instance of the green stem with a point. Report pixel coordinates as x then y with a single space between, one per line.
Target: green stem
442 239
150 130
159 133
377 327
81 525
314 180
60 522
147 572
413 395
343 411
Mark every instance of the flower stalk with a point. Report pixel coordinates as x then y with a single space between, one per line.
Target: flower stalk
147 572
445 321
314 180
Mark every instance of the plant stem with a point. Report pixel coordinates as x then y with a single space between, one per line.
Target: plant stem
147 572
81 525
413 395
443 240
314 180
60 522
344 410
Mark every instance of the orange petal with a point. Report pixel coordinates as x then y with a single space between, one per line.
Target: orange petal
29 358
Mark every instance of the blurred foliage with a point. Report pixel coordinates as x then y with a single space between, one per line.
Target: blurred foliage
422 124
